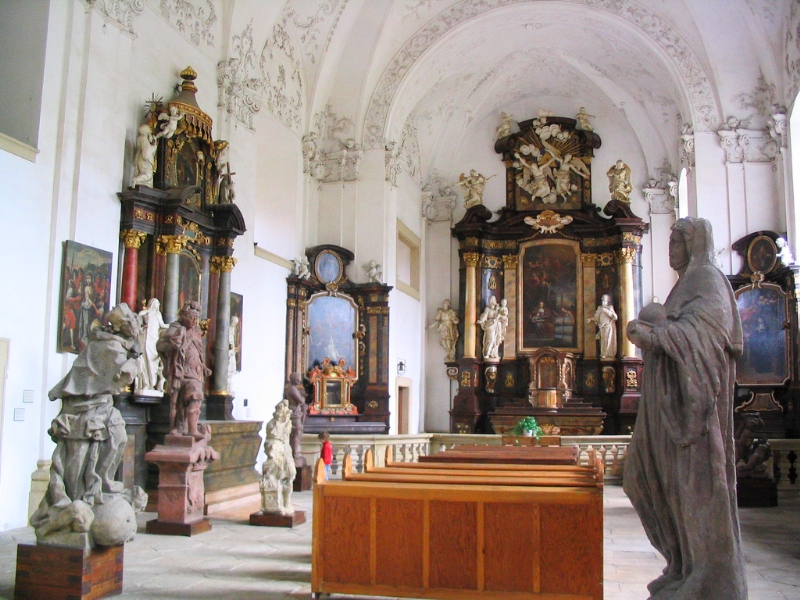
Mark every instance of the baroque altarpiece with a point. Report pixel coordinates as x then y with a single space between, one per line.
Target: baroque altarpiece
337 338
548 260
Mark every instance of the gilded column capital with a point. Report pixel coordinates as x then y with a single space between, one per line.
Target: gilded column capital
589 260
626 255
632 238
222 264
171 244
471 259
510 261
132 238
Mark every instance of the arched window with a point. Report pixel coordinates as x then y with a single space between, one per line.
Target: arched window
683 194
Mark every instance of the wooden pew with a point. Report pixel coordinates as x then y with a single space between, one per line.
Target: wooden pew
455 531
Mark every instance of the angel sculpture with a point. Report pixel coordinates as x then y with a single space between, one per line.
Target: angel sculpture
583 119
566 165
374 272
534 176
171 122
619 182
473 185
504 129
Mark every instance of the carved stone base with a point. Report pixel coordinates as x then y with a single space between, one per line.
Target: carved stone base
263 519
157 527
61 573
302 481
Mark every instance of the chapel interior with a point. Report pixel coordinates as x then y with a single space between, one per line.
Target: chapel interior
441 214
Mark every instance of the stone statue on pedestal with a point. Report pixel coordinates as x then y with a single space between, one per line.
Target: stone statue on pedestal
447 323
493 323
150 380
681 453
295 395
84 504
278 471
144 160
605 317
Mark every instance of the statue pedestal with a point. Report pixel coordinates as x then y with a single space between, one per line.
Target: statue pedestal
263 519
181 462
60 572
302 481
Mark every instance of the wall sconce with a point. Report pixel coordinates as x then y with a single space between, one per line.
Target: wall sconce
401 367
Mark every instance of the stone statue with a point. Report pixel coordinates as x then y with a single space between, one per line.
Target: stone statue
446 322
492 328
150 380
473 185
583 119
233 349
83 504
502 321
301 268
619 182
278 471
144 160
295 395
374 273
170 123
681 453
606 320
504 129
752 452
226 193
181 348
784 252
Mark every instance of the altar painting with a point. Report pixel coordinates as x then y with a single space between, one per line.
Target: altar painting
189 278
549 286
332 324
764 359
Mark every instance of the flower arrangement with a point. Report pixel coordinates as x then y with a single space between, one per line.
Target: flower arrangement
527 424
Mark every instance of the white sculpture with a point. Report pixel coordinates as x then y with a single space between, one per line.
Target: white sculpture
146 145
569 164
619 182
374 272
278 471
170 122
473 185
583 119
301 268
233 349
534 176
504 129
784 252
227 192
605 317
493 329
447 323
150 381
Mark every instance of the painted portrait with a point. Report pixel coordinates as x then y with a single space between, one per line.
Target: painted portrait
332 323
764 359
236 311
189 278
549 311
85 294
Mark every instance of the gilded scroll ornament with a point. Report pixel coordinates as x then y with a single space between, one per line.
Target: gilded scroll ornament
548 221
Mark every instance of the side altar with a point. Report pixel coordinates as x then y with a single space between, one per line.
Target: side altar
561 278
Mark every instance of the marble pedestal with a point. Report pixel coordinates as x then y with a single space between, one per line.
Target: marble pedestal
181 462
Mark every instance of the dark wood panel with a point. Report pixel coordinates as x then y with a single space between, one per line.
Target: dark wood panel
453 545
346 526
399 542
571 542
509 542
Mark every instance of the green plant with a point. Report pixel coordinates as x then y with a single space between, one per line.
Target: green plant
527 424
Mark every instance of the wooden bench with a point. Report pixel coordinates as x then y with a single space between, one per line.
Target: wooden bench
450 530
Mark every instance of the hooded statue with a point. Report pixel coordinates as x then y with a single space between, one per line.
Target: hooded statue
679 472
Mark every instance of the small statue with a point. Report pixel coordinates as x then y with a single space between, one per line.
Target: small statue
605 317
301 268
583 119
446 322
295 395
473 185
226 194
278 471
493 330
233 349
374 272
182 349
144 161
504 129
751 452
84 504
150 380
170 122
619 182
784 252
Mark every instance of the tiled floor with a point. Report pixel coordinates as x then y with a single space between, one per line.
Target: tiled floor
237 561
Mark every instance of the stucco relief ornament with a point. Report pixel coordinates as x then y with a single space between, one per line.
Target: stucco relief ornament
686 145
548 221
729 139
659 196
778 125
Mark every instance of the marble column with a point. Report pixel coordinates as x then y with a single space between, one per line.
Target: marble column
173 245
132 241
470 303
222 265
625 259
510 295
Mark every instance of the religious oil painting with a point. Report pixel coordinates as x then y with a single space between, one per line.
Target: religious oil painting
236 311
549 286
332 322
85 294
189 278
764 360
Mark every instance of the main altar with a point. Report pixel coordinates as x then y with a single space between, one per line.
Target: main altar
547 265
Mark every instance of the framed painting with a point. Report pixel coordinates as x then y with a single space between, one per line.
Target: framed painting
331 323
85 294
549 287
189 278
765 357
236 336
